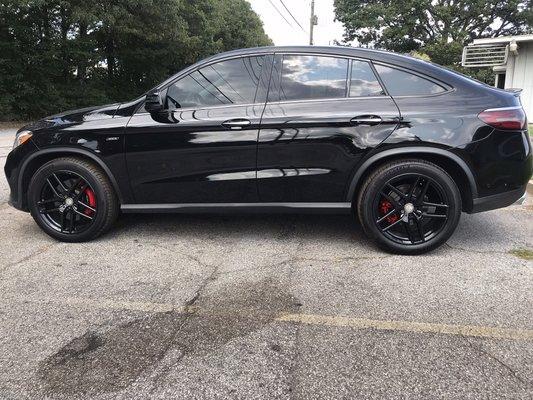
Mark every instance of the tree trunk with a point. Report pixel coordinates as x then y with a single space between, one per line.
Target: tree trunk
65 26
110 55
82 63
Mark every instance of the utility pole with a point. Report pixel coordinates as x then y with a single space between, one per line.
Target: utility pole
312 22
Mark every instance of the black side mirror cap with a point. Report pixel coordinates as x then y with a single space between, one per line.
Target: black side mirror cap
154 103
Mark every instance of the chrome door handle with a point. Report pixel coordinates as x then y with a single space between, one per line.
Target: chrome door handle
366 120
237 123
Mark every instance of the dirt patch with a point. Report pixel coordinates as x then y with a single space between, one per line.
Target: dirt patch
108 361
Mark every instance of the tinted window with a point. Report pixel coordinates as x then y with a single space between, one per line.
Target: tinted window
401 83
363 82
311 77
227 82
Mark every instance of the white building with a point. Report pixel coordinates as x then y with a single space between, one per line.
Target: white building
511 58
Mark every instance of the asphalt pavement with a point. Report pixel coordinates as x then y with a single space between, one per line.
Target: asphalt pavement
264 307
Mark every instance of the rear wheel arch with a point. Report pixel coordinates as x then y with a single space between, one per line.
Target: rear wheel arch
450 162
38 159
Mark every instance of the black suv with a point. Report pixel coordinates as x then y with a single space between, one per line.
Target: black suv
405 144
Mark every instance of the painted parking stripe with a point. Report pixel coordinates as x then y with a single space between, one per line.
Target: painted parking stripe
307 319
409 326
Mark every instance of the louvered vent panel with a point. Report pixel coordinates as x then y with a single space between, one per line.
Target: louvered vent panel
484 56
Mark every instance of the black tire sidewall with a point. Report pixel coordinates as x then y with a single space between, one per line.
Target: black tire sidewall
377 182
34 193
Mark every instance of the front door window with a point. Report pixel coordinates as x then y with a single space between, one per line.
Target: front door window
228 82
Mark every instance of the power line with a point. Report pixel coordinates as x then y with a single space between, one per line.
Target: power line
279 12
289 11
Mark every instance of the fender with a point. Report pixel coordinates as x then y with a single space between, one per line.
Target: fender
73 151
406 151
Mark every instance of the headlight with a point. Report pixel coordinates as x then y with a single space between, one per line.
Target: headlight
22 137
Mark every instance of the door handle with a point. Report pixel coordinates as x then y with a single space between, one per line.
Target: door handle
366 120
237 123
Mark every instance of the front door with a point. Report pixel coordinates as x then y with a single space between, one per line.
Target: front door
202 149
323 114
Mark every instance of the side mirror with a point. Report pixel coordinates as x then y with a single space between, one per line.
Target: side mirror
154 103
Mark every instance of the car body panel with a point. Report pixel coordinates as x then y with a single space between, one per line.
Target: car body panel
94 132
501 162
188 156
304 146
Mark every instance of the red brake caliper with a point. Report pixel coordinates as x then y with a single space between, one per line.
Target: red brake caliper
385 207
91 200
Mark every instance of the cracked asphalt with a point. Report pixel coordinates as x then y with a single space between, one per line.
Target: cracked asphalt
263 307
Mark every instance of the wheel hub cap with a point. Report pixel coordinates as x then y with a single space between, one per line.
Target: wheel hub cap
69 201
408 208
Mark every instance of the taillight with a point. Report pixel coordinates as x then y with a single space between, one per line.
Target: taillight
508 118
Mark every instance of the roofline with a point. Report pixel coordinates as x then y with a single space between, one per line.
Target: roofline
340 50
504 39
379 56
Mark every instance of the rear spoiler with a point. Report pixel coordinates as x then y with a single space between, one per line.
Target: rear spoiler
515 91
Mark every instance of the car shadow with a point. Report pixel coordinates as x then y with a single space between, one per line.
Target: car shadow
258 225
476 232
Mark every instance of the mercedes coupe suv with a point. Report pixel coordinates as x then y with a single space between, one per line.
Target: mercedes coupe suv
400 143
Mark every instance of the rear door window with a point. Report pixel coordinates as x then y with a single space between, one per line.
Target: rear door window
402 83
311 77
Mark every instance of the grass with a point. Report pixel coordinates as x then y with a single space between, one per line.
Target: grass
525 254
530 128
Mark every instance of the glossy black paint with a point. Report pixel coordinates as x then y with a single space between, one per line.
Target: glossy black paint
304 146
190 156
291 151
96 133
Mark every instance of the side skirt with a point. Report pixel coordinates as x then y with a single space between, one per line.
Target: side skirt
320 208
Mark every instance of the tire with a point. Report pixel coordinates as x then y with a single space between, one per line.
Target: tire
409 206
94 206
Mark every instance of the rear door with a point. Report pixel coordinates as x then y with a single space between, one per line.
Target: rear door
322 115
202 148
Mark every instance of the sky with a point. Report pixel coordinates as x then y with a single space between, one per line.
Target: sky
282 33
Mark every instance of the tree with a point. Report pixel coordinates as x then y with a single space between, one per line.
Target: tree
60 54
438 28
244 27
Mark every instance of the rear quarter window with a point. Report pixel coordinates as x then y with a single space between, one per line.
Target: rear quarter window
402 83
363 82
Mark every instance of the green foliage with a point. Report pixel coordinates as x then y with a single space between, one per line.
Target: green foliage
61 54
420 55
437 28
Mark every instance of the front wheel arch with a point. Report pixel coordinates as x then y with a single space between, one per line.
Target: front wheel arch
456 167
41 157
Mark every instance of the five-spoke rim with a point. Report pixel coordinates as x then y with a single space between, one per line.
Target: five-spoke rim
67 202
411 209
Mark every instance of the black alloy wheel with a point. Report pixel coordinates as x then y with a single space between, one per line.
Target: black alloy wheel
410 209
68 203
72 200
409 206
